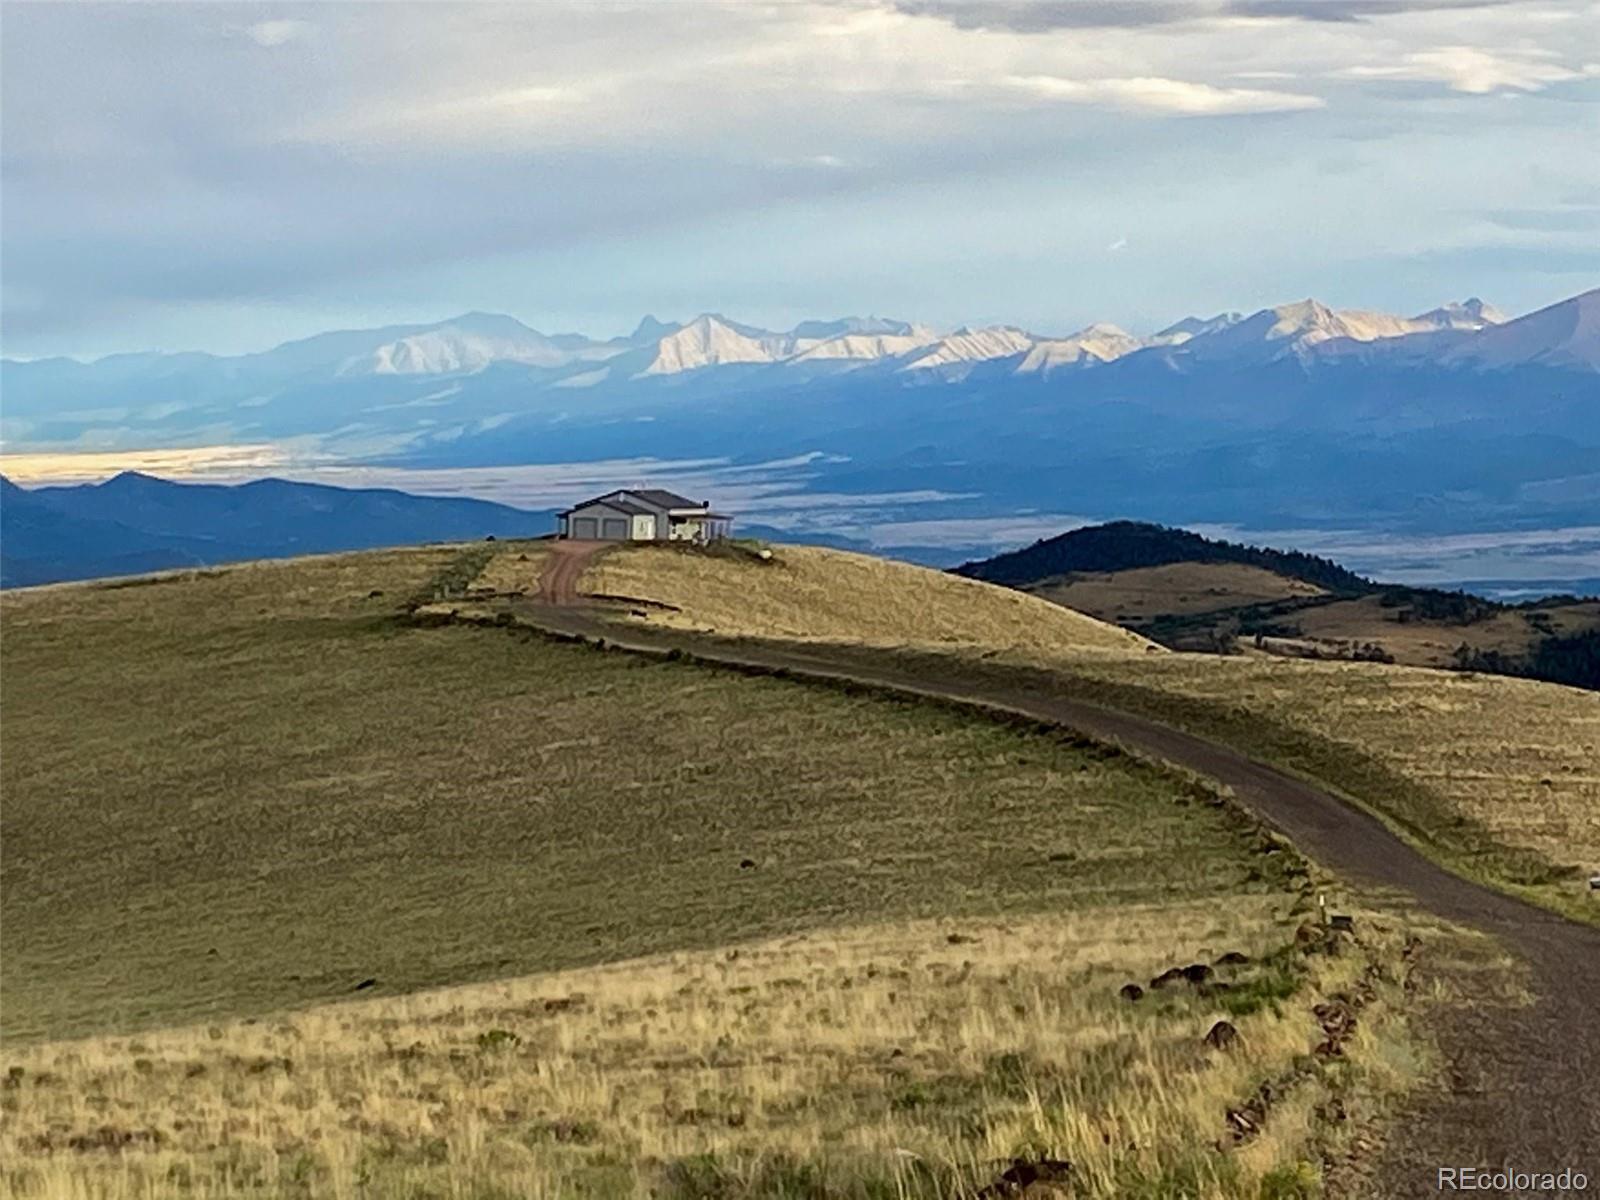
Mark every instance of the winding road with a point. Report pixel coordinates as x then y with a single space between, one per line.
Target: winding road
1521 1086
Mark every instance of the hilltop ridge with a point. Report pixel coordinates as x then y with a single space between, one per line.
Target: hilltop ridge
1122 545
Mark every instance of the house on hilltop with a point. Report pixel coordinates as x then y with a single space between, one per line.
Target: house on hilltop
642 515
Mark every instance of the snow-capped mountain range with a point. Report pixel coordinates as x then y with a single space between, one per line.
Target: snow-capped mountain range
1469 334
1563 335
487 386
1296 416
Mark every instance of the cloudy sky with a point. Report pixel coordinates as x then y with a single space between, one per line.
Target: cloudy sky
225 177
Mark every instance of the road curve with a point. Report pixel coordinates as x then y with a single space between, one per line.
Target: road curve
1523 1085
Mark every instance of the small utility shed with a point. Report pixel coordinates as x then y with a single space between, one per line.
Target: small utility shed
643 515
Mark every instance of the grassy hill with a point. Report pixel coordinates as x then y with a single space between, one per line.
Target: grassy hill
812 594
1142 596
1189 592
1126 545
1491 775
333 903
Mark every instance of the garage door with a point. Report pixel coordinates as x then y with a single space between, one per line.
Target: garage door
614 527
585 528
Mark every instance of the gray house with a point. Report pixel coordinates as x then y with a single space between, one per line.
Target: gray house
642 515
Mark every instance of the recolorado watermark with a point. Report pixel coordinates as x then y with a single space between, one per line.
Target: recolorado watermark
1507 1181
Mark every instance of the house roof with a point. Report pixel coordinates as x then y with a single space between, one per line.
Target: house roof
628 506
664 499
655 500
624 506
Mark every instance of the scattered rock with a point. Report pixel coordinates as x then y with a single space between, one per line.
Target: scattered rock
1222 1036
747 864
260 1066
1023 1173
1233 958
375 593
959 939
1342 922
1197 972
364 985
109 1137
1168 976
1131 992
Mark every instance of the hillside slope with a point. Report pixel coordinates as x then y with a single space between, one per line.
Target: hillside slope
1190 592
1122 545
871 925
807 593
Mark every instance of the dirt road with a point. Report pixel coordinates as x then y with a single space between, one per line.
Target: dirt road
558 584
1521 1087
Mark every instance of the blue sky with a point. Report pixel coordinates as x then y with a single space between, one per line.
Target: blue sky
226 177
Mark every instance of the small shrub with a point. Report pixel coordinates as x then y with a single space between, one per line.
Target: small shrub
498 1039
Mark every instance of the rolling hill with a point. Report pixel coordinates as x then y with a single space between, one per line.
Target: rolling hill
1194 593
289 835
1123 545
1491 775
569 922
134 522
809 593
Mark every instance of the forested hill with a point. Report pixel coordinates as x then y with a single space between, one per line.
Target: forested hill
1123 545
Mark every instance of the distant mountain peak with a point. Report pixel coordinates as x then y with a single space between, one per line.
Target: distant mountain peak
1094 344
969 345
1191 327
711 340
823 330
478 321
131 479
1565 334
650 330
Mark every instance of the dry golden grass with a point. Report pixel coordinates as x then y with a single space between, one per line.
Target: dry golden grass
230 795
1514 758
515 567
1176 588
247 789
911 1059
1347 623
1521 758
807 593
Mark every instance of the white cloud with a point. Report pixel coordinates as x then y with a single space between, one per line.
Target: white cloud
1119 244
1479 72
277 33
1158 95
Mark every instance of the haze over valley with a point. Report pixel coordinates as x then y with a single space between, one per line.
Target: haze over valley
1456 445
